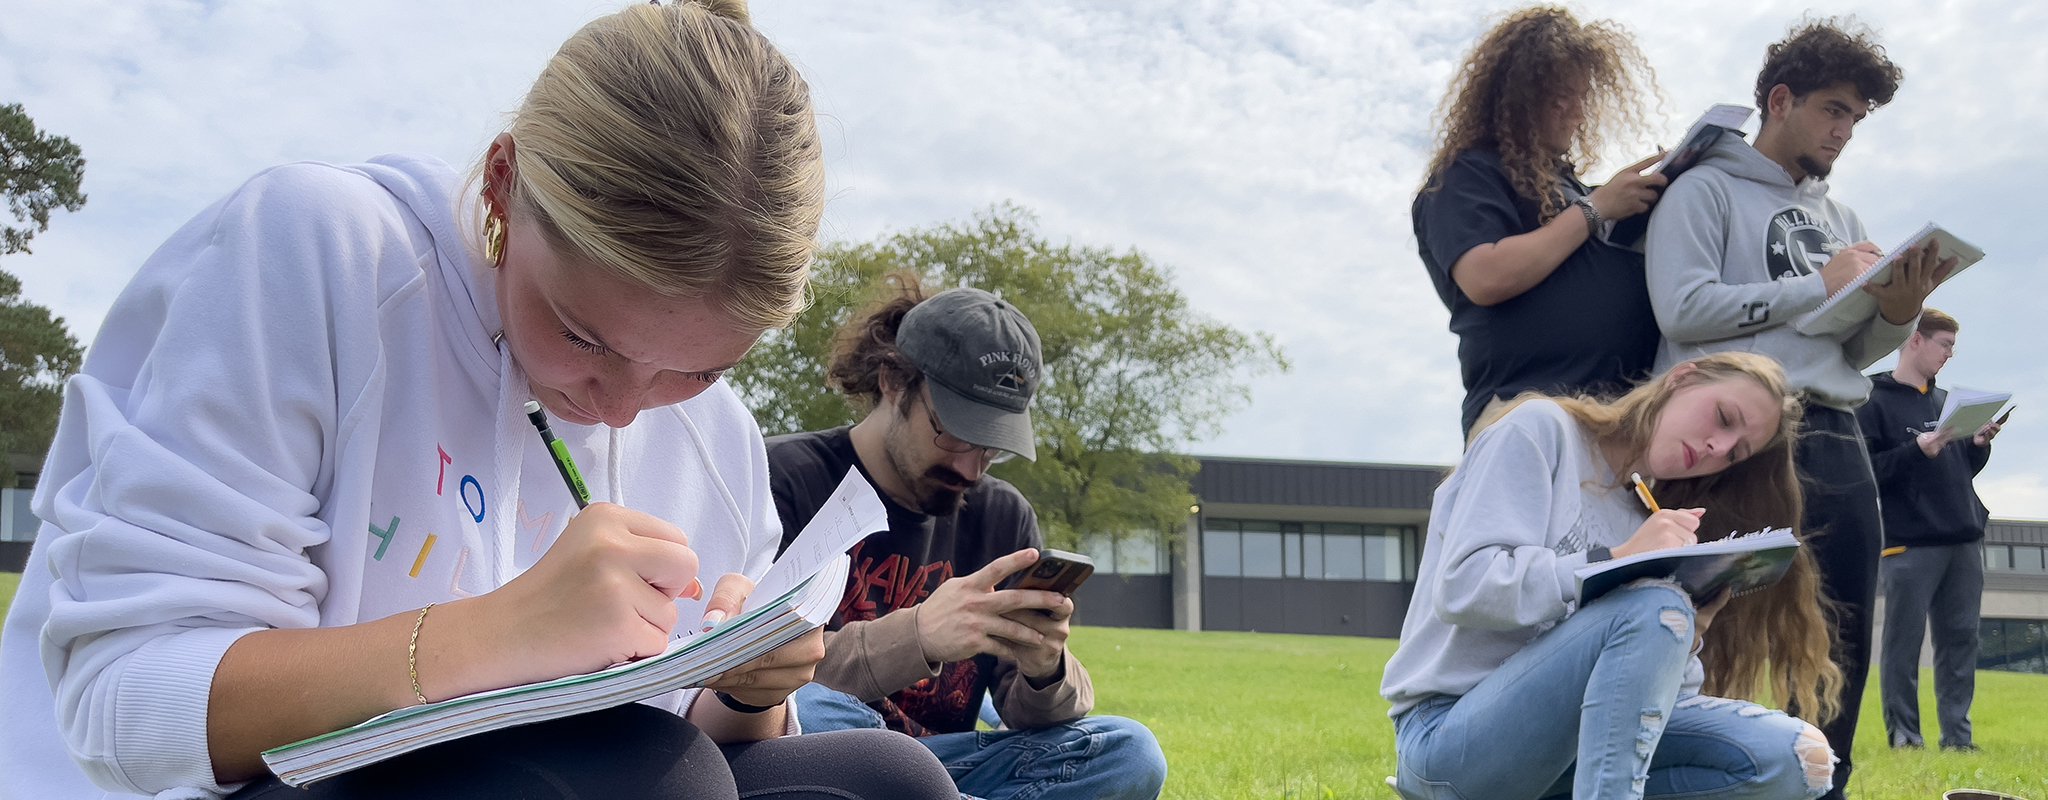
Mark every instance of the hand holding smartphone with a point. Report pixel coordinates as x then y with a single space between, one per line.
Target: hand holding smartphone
1055 571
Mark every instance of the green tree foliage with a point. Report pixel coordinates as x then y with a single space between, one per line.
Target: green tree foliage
38 172
36 355
1132 373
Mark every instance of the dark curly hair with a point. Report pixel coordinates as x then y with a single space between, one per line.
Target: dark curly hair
1502 93
1819 53
864 351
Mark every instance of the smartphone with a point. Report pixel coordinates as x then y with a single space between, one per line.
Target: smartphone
1055 571
2008 413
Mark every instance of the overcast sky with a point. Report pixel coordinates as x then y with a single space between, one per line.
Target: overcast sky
1267 152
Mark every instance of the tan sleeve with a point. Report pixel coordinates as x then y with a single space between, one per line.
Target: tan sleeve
872 660
1065 700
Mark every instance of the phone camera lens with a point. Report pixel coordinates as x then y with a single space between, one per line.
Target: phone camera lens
1046 570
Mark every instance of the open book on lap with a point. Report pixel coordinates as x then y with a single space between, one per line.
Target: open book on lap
1743 563
1849 306
798 593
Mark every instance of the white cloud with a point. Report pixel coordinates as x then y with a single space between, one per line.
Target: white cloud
1268 151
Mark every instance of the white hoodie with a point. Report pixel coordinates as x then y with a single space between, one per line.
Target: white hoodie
1734 255
295 416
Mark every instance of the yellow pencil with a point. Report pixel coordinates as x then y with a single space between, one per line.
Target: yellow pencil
1643 492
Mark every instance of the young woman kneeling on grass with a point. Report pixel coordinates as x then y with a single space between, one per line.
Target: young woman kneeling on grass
1505 689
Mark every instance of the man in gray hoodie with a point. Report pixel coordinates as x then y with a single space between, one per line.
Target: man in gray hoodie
1747 241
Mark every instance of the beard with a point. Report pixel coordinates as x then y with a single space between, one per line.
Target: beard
931 488
1814 168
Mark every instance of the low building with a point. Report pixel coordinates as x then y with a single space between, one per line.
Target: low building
1330 547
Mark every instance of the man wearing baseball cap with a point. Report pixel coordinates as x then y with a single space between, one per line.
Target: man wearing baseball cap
922 632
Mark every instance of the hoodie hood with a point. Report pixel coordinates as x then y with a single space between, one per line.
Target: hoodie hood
1735 156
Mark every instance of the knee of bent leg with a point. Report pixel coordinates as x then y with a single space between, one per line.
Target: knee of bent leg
1131 745
1816 758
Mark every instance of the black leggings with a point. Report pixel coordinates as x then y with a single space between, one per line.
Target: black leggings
1841 506
636 751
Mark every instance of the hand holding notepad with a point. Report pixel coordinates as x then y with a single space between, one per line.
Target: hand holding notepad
1849 306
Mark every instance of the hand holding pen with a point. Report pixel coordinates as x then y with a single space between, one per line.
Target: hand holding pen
1665 527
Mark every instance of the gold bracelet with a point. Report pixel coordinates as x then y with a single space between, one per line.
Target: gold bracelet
412 650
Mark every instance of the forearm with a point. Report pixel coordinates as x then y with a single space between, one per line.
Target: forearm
1495 273
278 686
874 659
726 726
1070 696
1877 339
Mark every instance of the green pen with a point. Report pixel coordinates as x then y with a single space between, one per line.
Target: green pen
563 463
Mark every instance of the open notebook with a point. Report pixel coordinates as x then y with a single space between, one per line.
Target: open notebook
798 593
1743 563
1850 305
1968 410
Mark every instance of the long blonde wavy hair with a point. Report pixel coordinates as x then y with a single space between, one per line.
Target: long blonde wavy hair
1781 636
1502 93
674 146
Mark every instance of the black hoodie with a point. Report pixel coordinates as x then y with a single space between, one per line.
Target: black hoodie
1926 501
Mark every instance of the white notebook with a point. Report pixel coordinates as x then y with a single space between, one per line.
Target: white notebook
799 592
1850 306
1968 410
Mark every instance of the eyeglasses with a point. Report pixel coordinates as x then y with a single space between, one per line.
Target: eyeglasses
954 444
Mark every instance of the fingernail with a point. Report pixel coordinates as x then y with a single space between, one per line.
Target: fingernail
712 618
695 591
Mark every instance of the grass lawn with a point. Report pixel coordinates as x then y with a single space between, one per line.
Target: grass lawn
1265 715
1262 715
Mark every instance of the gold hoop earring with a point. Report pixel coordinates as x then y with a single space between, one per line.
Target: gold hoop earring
494 240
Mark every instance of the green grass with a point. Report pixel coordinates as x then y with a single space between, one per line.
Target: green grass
8 580
1261 715
1266 715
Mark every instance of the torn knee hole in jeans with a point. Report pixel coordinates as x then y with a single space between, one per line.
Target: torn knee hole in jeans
1672 618
1816 757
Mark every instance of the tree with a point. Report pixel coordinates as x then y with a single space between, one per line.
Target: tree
1132 373
36 355
38 172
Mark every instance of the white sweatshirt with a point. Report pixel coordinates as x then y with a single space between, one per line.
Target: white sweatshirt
295 416
1506 532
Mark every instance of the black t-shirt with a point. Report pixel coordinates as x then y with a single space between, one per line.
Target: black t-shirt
1588 327
900 567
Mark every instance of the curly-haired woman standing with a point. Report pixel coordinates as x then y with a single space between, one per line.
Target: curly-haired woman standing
1512 239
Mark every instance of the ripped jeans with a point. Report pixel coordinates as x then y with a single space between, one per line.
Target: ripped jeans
1591 709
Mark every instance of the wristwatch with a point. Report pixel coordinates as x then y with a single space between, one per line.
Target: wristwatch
1599 554
1593 218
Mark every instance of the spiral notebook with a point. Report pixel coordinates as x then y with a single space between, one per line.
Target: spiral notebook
798 593
1850 305
1743 563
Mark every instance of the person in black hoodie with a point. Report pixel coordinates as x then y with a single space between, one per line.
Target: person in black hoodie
1933 564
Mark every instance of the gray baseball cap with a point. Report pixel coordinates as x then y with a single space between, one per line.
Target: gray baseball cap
980 357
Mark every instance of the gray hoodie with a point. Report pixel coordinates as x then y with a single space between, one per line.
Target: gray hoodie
1734 255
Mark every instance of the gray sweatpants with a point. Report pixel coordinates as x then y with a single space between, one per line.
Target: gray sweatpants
1944 585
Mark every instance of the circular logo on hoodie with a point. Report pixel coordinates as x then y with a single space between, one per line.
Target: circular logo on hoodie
1798 244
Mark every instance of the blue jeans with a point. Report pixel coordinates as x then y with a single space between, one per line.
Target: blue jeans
1091 757
1591 709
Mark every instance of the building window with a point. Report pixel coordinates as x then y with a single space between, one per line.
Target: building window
1316 551
1261 549
2015 645
1997 557
2027 559
1220 553
1135 553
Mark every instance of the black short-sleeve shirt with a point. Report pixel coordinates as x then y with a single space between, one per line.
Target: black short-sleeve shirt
1587 327
900 567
